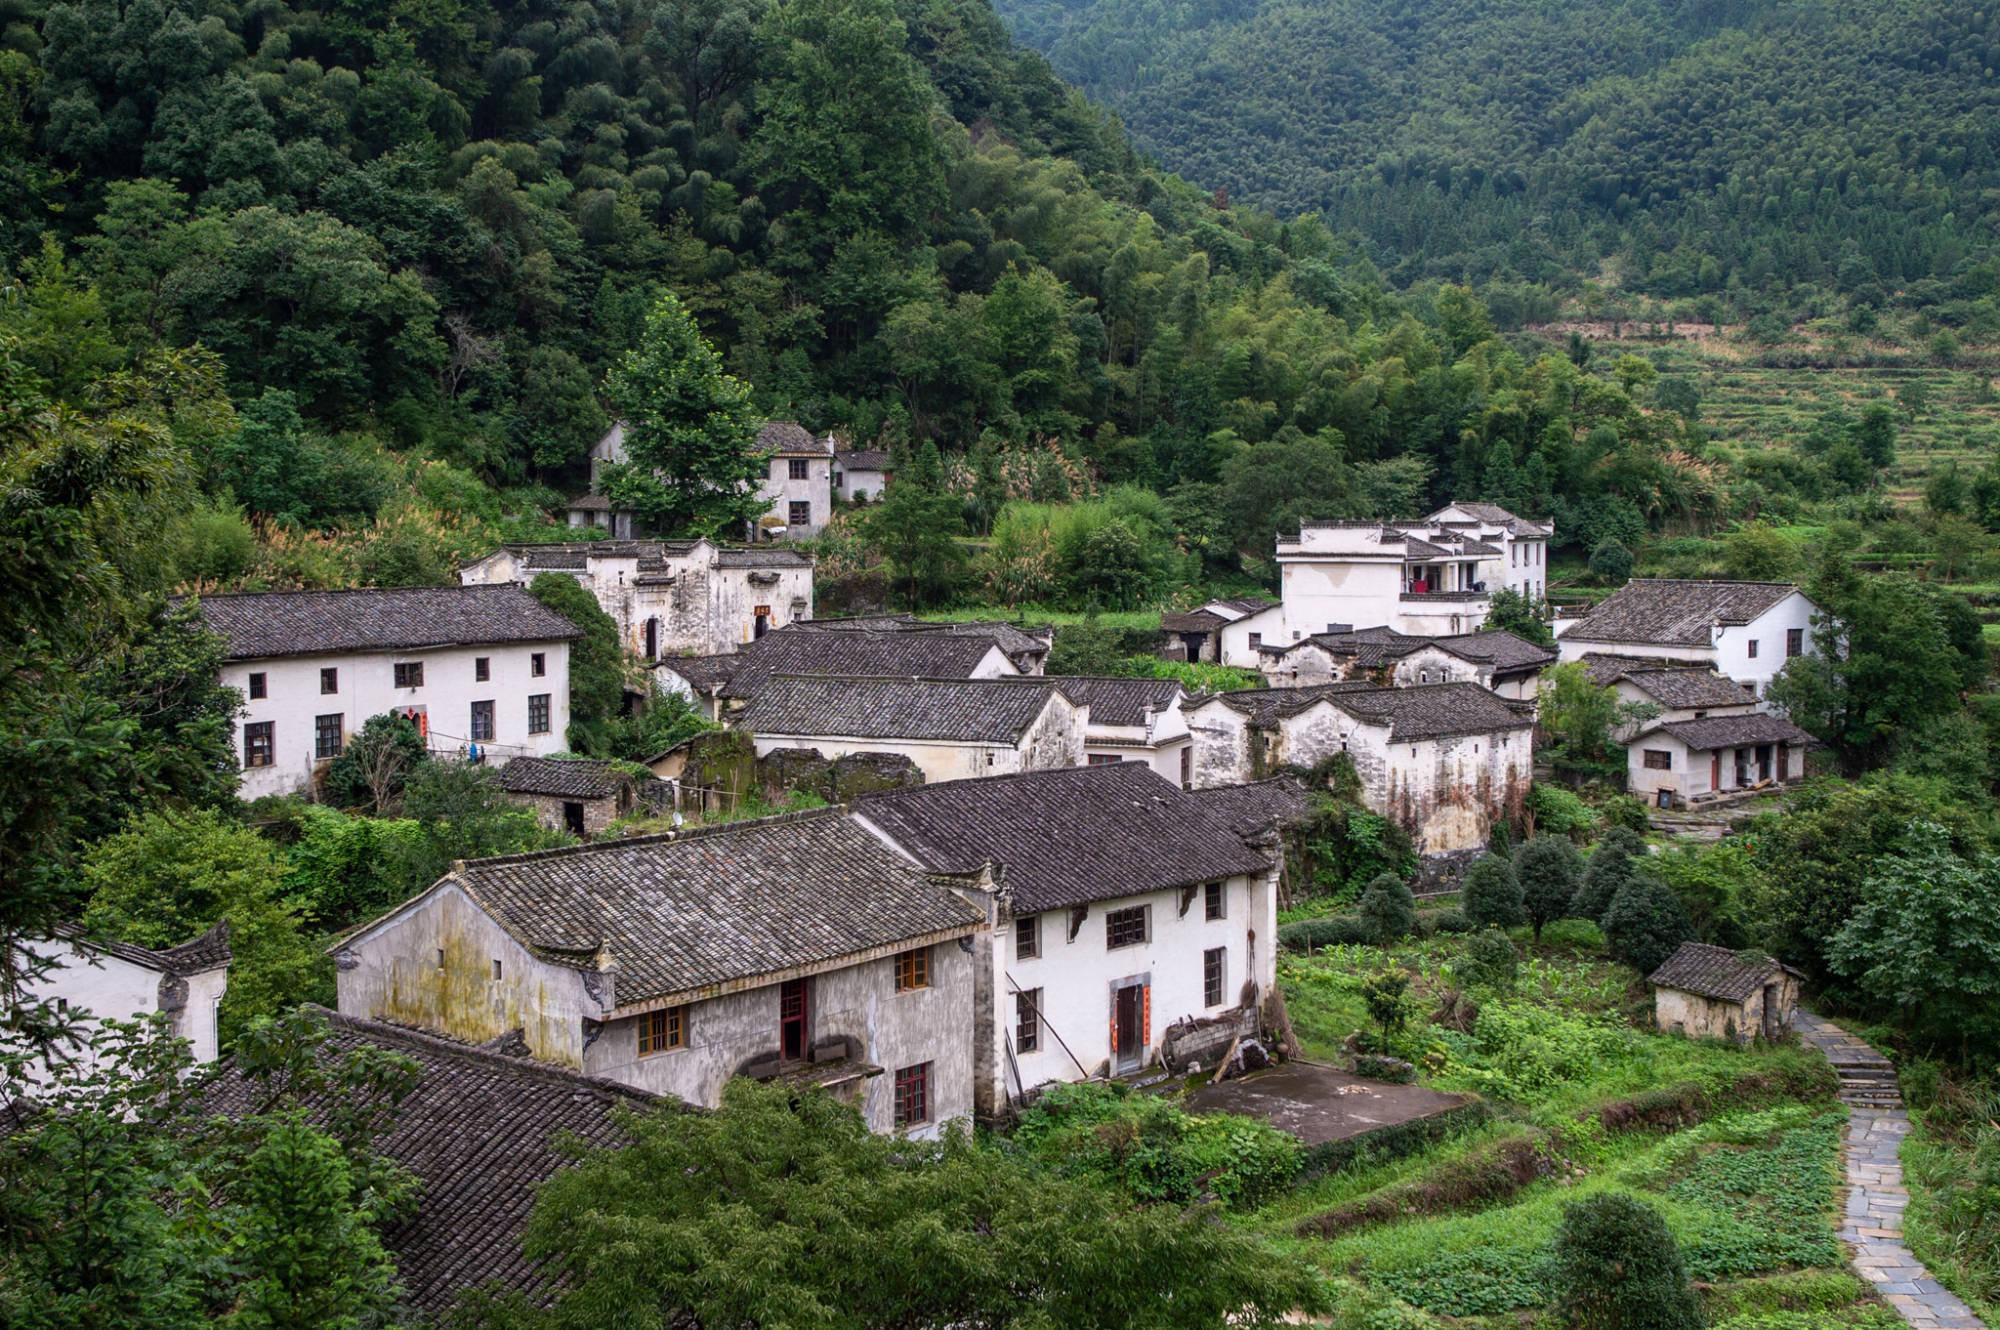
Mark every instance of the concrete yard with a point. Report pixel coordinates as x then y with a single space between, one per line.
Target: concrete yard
1317 1104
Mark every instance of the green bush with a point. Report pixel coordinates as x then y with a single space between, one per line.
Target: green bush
1388 909
1574 935
1610 865
1625 810
1445 922
1549 870
1616 1267
1492 896
1491 960
1645 923
1340 930
1153 1149
1560 812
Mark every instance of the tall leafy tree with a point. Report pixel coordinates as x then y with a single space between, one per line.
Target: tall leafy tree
689 432
596 661
1549 870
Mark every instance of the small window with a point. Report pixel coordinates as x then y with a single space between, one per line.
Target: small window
257 744
913 1096
1102 759
496 971
989 757
538 713
799 513
1214 966
482 668
1795 641
799 468
1028 1021
1125 928
538 663
257 689
1751 651
1187 765
440 954
1027 937
1256 640
329 680
913 969
410 674
1659 759
1214 901
327 736
662 1030
482 722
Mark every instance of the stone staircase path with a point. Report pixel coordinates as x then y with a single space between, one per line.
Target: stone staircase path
1876 1198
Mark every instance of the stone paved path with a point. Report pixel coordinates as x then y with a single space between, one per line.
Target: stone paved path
1876 1198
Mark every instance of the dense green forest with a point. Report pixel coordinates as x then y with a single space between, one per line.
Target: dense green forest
1736 148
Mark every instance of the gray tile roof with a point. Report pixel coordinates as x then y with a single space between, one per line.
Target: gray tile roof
1013 640
1733 731
1437 710
208 951
1247 604
1604 668
941 710
1505 651
762 556
704 673
1249 808
560 777
265 624
1193 621
1069 836
480 1130
1264 706
688 911
788 438
1113 699
575 555
799 648
1492 514
1717 972
866 459
1689 688
1669 611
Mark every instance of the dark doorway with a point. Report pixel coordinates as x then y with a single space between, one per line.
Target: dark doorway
1784 763
794 1014
1131 1019
652 639
1770 1011
763 620
1763 762
573 818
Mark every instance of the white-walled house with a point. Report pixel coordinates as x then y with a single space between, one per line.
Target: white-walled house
482 671
951 729
1132 720
1525 569
1495 659
1445 761
1745 631
116 981
796 947
1133 921
861 475
1686 763
1670 689
1197 635
796 487
670 596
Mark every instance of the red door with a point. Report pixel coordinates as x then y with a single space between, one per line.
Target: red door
1715 770
793 1013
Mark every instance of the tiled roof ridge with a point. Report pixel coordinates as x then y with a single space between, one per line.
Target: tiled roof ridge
1708 581
675 836
347 591
1045 680
444 1046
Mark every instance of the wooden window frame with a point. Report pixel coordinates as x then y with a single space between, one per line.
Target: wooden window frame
1750 649
1214 976
792 513
329 680
474 717
260 740
662 1030
1215 900
1795 642
1117 926
1665 760
1101 759
538 664
538 702
800 468
258 687
1028 1021
913 1096
482 668
409 674
322 750
913 969
1027 928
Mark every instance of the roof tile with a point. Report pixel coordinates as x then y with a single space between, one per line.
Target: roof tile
264 624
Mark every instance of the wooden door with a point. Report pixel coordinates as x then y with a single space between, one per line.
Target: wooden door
794 1013
1128 1027
1715 770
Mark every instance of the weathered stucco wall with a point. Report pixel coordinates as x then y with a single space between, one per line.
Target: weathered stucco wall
1448 792
111 988
598 814
1699 1017
391 973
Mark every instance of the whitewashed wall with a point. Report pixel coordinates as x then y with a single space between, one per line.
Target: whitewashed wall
110 988
1055 739
367 687
779 491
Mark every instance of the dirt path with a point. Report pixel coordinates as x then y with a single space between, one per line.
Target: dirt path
1876 1197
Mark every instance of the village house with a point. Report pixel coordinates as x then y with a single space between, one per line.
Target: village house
1686 763
1027 648
951 728
575 794
1132 720
797 485
1429 578
1197 634
1672 689
670 596
796 948
116 981
1497 660
481 671
1445 761
1133 922
480 1130
1708 992
1745 631
861 475
721 685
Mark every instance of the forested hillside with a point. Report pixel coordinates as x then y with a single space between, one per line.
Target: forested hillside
1692 146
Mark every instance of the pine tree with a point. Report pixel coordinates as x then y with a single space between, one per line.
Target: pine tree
1492 897
1549 870
1610 865
1388 909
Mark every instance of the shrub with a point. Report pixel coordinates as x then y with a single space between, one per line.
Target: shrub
1610 864
1490 960
1447 922
1616 1267
1549 870
1625 810
1610 562
1560 812
1388 910
1340 930
1574 935
1386 994
1154 1149
1492 896
1645 923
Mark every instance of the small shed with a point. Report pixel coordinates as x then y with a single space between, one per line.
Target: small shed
573 794
1710 992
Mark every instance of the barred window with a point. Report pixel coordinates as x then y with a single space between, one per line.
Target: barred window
1795 641
1659 759
1027 937
1214 964
798 468
257 688
662 1030
1215 901
482 722
329 680
482 668
409 674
